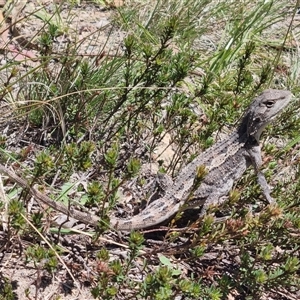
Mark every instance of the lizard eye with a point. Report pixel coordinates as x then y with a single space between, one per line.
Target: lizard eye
269 103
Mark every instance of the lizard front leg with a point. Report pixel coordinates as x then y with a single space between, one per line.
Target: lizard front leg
255 157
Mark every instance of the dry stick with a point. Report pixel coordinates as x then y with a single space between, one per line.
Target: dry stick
83 217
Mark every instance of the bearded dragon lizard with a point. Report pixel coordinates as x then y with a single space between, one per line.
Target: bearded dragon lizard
225 162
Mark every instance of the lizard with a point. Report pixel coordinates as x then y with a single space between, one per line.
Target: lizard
225 162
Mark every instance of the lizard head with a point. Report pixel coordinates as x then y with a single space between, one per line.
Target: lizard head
264 109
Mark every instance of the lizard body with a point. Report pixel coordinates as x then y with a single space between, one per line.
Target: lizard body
225 162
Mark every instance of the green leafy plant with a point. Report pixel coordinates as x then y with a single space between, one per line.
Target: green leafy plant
81 127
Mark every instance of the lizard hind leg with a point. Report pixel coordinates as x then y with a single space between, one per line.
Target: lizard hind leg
164 181
213 201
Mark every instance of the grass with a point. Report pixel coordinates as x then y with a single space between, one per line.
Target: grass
82 126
